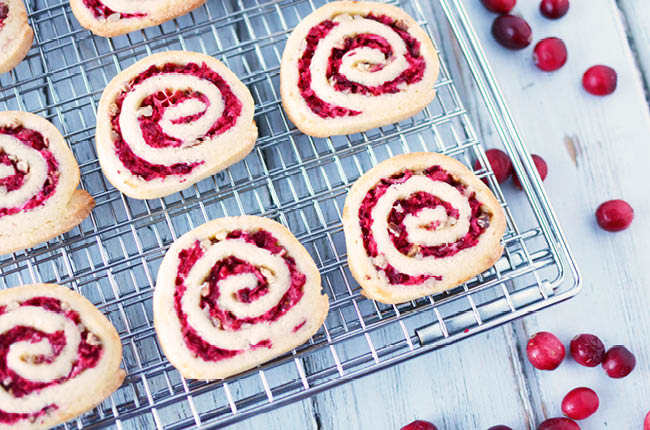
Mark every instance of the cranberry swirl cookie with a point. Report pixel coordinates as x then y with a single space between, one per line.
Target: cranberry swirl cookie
59 356
16 36
234 293
39 176
110 18
169 121
352 66
419 224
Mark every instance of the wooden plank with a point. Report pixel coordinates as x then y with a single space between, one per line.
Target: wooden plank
636 16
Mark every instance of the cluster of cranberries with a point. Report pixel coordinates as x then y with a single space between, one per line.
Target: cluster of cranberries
546 352
513 32
613 215
502 166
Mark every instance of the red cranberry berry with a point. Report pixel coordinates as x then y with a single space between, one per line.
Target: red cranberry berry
554 9
545 351
646 422
542 169
587 350
420 425
600 80
550 54
558 424
618 362
499 6
512 32
580 403
500 427
614 215
500 163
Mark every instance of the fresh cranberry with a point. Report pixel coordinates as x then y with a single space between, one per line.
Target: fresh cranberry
587 350
614 215
600 80
545 351
500 163
550 54
420 425
580 403
646 422
618 362
558 424
500 427
554 9
499 6
512 32
542 169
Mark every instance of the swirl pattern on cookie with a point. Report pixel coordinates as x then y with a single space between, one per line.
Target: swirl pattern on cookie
115 17
419 224
234 293
16 36
352 66
59 356
169 121
39 176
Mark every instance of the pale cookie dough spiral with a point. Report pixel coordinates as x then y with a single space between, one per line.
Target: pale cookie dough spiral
448 229
60 356
352 66
39 176
419 224
234 293
115 17
16 36
171 120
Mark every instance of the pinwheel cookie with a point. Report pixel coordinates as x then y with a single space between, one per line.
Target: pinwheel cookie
115 17
419 224
169 121
352 66
59 356
39 176
234 293
16 36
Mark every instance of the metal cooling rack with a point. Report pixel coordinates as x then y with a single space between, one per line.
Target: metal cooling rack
113 256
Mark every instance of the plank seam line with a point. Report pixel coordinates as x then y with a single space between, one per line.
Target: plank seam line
634 50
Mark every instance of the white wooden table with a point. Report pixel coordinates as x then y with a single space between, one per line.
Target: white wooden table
596 149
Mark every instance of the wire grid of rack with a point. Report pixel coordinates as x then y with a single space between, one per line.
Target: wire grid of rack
113 256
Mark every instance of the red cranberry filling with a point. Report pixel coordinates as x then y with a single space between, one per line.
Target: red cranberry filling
351 43
412 206
12 418
15 181
412 74
266 343
4 12
160 102
35 140
421 200
223 269
299 326
87 356
100 10
153 134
